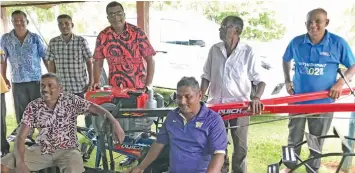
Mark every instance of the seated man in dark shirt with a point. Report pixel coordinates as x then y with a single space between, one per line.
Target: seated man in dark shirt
195 134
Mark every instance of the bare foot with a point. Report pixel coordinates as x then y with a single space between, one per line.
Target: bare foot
285 170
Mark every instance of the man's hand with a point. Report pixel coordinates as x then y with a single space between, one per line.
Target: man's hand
335 90
7 82
136 169
289 88
256 105
21 167
118 132
90 85
95 86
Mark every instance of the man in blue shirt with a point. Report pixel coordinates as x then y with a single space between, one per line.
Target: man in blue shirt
317 56
24 50
195 134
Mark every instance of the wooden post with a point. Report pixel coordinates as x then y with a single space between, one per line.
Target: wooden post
143 16
3 22
348 161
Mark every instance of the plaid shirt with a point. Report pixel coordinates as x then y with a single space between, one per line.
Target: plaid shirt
70 61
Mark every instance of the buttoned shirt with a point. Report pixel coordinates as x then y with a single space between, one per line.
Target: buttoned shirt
25 59
70 61
316 64
193 143
125 55
57 127
230 77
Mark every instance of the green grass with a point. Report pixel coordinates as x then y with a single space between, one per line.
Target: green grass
264 141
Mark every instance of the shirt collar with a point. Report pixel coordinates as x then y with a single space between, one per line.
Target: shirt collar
110 30
60 98
324 41
240 46
71 38
201 114
12 33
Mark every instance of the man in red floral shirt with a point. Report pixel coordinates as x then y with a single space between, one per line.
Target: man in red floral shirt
127 50
55 115
129 55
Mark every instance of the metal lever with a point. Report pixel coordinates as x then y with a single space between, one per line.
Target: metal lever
346 81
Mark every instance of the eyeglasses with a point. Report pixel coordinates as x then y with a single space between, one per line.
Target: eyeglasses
317 22
224 27
118 13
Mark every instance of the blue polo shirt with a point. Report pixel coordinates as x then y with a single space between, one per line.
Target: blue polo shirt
316 64
193 143
25 59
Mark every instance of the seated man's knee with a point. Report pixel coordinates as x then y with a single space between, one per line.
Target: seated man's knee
74 162
4 169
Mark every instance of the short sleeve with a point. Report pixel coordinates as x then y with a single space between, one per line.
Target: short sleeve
41 46
217 136
99 47
4 52
163 135
145 48
346 57
288 55
80 105
31 111
50 51
86 49
208 66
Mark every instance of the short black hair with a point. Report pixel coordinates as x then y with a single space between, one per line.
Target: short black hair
64 16
113 4
16 12
189 82
236 21
52 75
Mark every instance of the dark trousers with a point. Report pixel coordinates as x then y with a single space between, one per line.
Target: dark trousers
5 147
88 120
23 94
240 145
316 126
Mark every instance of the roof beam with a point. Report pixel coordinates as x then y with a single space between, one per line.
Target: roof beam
35 3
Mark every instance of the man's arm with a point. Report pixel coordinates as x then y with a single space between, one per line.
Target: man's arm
49 57
155 150
150 70
98 64
255 74
51 67
206 76
19 150
216 163
41 48
217 141
90 71
147 51
88 59
286 66
153 154
98 59
117 129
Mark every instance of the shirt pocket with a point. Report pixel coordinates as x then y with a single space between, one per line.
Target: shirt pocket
239 70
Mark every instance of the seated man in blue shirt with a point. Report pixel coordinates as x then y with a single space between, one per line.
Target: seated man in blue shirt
317 55
195 134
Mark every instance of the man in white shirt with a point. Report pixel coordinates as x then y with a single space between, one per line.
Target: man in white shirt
228 72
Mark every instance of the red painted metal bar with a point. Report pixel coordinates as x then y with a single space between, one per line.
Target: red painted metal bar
283 100
238 112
